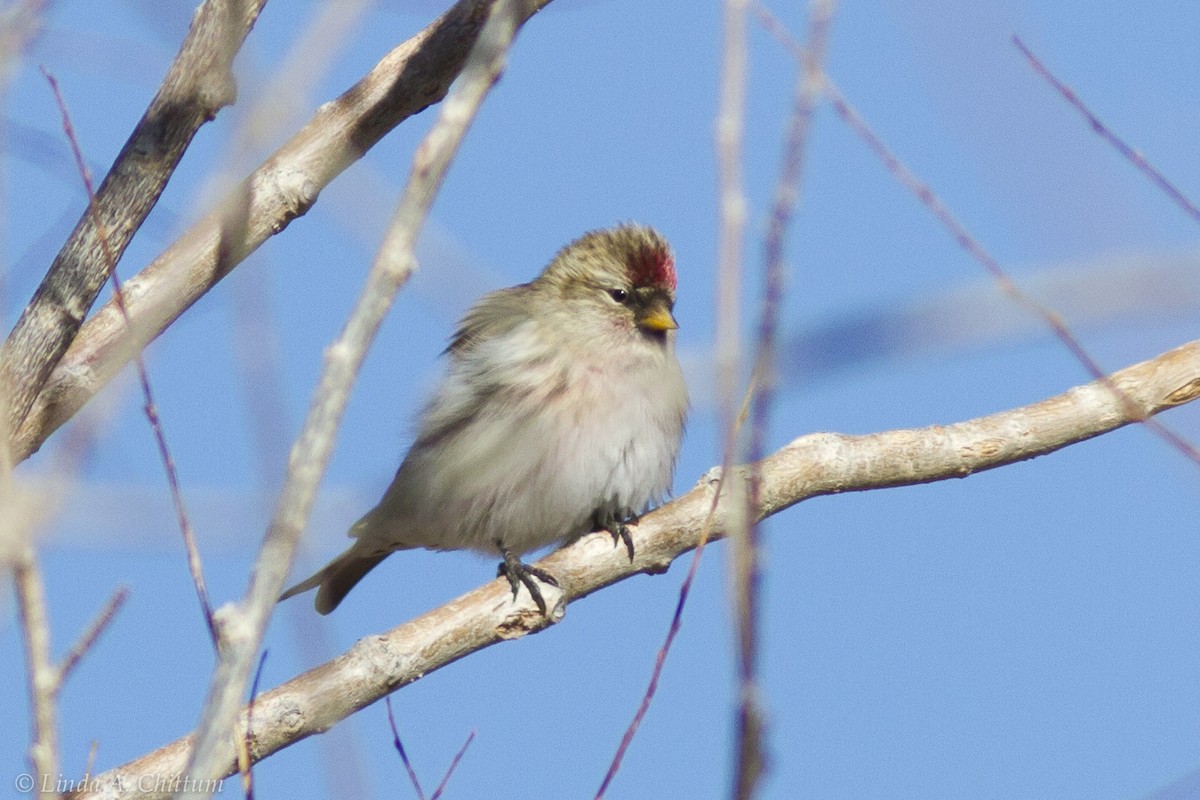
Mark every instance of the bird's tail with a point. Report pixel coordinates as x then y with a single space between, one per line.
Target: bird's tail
337 578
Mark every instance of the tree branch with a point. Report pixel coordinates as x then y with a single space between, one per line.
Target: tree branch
42 675
407 80
242 626
812 465
198 84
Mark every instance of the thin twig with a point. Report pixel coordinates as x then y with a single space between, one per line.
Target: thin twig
310 455
93 749
412 773
149 406
660 660
454 762
728 146
732 222
1134 157
92 633
922 191
813 465
246 743
751 759
706 529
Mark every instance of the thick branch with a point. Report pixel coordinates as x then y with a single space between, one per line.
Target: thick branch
410 78
198 84
812 465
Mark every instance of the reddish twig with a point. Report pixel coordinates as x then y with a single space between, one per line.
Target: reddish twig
660 660
728 143
1052 318
245 762
747 577
92 633
1133 156
441 787
926 196
412 773
149 406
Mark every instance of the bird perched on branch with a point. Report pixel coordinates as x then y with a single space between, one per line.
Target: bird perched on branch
561 412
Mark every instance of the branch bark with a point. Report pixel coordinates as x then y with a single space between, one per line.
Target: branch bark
43 679
812 465
242 626
407 80
198 84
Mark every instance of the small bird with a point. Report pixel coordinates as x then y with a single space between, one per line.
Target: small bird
561 412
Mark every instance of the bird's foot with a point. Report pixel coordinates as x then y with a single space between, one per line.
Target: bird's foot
618 528
519 573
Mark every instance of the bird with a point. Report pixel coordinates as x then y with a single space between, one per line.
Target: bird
561 411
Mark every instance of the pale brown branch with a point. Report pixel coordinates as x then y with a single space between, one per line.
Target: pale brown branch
198 84
407 80
732 222
812 465
43 677
242 626
730 125
20 23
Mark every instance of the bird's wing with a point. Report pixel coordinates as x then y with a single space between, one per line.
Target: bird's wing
495 315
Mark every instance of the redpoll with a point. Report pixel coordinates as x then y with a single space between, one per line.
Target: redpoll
561 412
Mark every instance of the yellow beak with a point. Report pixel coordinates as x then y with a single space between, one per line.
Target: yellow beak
657 319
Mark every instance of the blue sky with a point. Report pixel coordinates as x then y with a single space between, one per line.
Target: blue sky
1024 633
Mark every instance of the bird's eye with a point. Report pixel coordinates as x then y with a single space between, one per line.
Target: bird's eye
618 295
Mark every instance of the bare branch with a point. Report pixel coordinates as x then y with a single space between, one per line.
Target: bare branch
408 767
242 626
149 406
812 465
730 124
454 762
42 675
19 23
732 223
245 765
198 84
91 634
749 722
1133 156
660 660
1053 320
409 79
926 196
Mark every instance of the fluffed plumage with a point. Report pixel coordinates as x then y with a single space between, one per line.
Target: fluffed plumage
561 412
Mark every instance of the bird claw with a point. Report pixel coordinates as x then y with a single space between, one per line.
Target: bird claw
519 573
618 529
